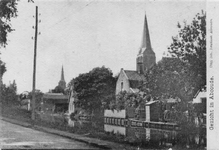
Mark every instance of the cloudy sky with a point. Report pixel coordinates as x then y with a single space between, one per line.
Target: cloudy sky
81 35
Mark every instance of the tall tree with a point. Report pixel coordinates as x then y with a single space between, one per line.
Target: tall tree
190 46
95 89
165 79
183 74
9 94
8 9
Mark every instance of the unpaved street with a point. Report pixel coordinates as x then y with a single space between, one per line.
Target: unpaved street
15 136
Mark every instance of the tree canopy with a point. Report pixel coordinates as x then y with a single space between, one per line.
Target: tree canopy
58 89
8 9
124 100
190 47
9 94
95 89
2 69
183 74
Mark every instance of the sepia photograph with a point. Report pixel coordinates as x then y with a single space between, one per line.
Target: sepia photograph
107 74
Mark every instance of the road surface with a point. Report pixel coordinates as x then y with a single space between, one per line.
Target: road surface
15 136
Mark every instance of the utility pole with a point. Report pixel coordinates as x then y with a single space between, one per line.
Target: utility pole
34 68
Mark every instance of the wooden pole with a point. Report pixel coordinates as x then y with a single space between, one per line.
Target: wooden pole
34 67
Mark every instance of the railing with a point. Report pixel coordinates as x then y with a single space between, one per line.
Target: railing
139 123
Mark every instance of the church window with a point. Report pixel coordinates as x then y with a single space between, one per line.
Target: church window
121 86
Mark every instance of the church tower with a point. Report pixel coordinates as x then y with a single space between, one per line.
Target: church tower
62 82
146 57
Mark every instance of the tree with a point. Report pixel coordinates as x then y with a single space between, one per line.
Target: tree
167 79
8 9
9 94
2 69
125 100
58 89
95 89
190 47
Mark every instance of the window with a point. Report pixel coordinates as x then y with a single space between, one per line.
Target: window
121 86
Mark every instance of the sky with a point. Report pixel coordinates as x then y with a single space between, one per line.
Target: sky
82 35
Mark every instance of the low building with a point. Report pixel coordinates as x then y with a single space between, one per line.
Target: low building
152 112
200 105
54 103
200 96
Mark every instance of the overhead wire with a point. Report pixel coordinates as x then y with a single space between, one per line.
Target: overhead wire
70 15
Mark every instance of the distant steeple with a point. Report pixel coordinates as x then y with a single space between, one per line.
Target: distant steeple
146 57
62 75
146 42
62 82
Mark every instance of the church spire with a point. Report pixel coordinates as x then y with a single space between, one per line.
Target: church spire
62 82
62 74
146 57
146 42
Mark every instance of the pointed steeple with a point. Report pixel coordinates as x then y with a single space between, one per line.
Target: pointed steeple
62 74
146 57
146 42
62 82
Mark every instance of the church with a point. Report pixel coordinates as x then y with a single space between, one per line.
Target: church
130 80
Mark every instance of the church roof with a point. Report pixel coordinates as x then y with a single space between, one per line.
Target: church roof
135 79
134 75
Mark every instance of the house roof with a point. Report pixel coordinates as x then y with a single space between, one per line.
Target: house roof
134 90
55 96
135 79
203 89
134 75
150 102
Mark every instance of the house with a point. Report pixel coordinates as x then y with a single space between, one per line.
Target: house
54 103
129 81
200 96
200 104
200 100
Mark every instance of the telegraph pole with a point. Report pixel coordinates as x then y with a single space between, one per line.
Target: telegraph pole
34 67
